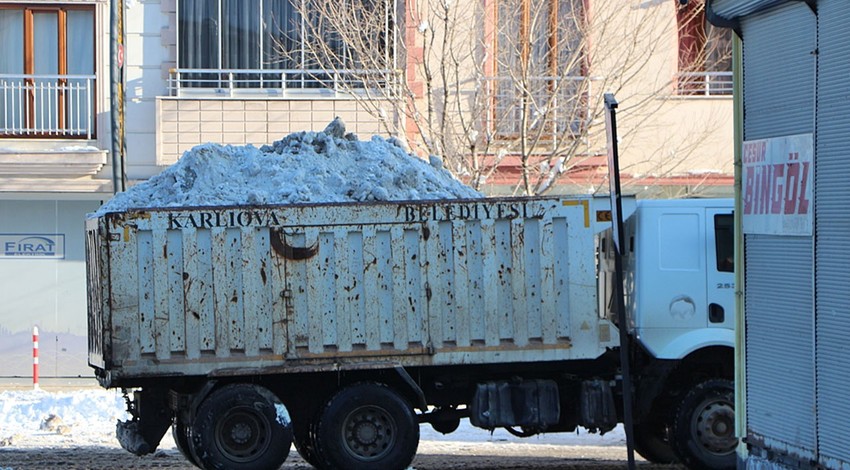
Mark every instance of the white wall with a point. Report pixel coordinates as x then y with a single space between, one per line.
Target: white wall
145 79
48 293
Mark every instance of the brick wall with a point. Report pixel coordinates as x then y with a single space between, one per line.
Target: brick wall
184 123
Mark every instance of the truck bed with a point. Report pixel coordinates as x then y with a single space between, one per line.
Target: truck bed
210 291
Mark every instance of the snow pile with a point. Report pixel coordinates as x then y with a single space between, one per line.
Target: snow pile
81 416
304 167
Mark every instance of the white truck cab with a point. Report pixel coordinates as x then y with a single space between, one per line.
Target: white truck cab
680 267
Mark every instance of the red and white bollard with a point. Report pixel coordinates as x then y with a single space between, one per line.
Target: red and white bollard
35 358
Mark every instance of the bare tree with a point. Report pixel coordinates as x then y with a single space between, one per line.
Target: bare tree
484 84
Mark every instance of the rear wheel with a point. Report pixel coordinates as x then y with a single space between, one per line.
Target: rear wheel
180 433
704 427
367 426
240 427
304 436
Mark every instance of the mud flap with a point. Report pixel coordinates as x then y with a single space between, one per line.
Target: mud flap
151 419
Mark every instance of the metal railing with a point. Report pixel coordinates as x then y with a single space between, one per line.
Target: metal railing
552 107
57 106
246 82
704 83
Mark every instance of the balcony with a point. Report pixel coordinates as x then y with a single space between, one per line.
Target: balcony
47 106
245 83
704 84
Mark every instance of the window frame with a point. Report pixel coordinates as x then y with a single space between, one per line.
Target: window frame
698 73
28 43
553 57
312 81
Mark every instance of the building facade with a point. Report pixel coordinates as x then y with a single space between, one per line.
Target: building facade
250 71
794 124
54 141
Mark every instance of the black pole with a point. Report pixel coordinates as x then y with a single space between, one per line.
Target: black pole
619 292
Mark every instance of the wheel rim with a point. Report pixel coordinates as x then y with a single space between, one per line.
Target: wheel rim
714 426
242 434
368 433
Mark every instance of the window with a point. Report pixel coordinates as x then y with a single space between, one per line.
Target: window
265 44
47 71
539 77
724 239
705 53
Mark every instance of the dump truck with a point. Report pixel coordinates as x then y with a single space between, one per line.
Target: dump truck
341 327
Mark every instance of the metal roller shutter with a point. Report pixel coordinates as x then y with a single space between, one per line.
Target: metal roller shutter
832 218
779 78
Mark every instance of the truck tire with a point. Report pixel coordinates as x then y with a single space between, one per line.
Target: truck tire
367 426
704 427
651 443
304 437
180 433
239 427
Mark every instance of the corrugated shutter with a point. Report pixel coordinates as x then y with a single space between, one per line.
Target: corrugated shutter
736 8
780 375
779 77
779 69
832 217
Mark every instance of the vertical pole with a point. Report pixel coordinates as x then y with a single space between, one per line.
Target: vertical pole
35 358
740 323
116 44
619 291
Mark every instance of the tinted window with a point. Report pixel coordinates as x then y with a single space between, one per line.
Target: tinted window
724 239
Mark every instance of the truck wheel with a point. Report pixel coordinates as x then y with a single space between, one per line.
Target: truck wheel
704 427
651 443
303 434
240 427
180 433
367 426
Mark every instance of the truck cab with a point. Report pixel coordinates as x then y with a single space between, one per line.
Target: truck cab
679 265
680 304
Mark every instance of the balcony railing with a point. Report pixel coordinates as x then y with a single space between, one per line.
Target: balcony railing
50 106
554 108
249 83
704 83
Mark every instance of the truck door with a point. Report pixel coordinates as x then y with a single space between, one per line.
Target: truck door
720 268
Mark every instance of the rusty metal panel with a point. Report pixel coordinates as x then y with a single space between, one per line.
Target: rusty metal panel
301 287
147 343
202 289
176 303
97 285
460 262
192 292
123 295
373 287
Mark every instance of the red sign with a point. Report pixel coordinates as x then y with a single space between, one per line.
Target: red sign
777 190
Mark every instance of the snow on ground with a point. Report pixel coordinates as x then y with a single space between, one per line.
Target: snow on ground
87 417
59 419
304 167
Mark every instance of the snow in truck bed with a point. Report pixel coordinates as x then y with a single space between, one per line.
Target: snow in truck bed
304 167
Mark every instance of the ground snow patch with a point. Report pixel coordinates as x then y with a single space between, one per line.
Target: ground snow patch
84 413
304 167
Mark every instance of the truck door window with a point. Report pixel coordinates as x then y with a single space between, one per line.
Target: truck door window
724 238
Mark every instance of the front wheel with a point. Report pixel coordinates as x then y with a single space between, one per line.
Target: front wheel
367 426
704 427
652 443
240 426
